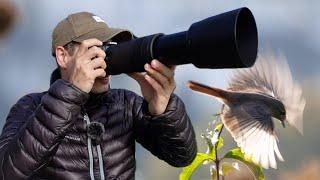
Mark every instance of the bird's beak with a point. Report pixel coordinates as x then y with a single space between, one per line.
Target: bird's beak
283 124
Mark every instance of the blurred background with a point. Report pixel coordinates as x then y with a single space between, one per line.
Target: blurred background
290 27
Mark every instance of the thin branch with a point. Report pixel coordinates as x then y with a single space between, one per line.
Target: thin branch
217 161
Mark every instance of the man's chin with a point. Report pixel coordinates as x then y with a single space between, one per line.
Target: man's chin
101 85
97 89
103 81
100 88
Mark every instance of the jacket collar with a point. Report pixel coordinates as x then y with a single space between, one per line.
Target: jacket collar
55 75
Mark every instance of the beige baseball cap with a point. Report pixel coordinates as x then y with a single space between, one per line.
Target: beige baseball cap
84 25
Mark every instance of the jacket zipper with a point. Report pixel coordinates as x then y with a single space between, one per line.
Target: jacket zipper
90 151
89 146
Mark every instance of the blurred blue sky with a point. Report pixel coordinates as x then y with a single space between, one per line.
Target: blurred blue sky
291 27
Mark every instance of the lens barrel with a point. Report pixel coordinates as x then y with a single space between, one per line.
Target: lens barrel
228 40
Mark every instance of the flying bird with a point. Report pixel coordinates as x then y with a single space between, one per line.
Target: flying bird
255 99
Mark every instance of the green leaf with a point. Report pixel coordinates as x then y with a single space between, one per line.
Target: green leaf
208 142
227 168
218 127
220 143
239 155
212 140
217 130
187 171
213 174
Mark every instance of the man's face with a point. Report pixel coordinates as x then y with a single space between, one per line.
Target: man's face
100 84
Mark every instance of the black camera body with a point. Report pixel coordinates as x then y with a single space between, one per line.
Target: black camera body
228 40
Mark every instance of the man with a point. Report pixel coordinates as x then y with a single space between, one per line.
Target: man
81 129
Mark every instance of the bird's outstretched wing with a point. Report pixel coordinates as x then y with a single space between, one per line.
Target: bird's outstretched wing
252 128
271 75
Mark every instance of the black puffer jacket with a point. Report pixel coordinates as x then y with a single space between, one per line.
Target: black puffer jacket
45 135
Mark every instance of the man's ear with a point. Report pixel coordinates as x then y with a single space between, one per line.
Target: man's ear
61 57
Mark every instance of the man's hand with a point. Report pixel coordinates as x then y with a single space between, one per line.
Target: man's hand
156 85
87 64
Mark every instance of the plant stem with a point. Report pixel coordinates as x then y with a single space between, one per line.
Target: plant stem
217 167
217 161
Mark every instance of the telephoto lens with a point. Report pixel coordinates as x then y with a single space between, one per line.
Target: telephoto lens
228 40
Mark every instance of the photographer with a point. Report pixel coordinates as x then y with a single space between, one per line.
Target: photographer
82 129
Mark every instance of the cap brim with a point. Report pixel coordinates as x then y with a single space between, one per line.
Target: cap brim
104 35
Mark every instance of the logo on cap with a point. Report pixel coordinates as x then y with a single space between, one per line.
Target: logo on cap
97 18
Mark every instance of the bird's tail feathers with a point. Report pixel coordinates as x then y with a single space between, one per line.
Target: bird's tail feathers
216 92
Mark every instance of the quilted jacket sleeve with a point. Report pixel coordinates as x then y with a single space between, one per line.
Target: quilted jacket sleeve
170 136
33 130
